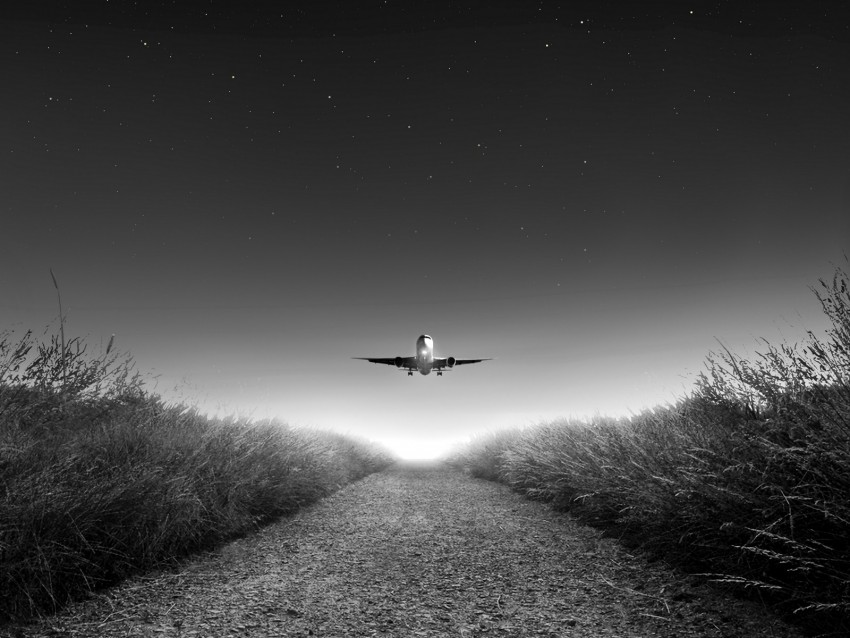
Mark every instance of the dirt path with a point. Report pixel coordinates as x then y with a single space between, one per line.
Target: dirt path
415 551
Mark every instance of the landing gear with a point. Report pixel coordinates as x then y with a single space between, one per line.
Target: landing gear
439 373
410 373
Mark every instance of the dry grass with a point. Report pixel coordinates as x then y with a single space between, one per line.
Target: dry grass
747 479
101 479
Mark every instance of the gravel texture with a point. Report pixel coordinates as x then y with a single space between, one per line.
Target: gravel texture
415 551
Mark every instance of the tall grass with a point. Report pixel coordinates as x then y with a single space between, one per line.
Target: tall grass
100 479
747 478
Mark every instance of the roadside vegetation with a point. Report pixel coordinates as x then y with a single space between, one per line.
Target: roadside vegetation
746 480
100 479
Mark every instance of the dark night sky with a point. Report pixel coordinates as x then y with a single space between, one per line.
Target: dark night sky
248 197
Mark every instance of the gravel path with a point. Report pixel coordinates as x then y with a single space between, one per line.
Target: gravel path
415 551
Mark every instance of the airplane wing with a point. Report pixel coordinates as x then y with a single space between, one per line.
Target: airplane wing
406 362
442 364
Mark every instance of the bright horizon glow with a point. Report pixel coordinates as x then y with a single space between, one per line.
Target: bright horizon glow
417 447
421 436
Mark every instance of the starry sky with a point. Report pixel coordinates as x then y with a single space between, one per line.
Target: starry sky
249 196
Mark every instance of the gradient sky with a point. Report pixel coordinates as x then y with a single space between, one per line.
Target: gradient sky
249 197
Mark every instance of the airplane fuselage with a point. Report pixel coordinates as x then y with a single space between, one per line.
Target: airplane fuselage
424 354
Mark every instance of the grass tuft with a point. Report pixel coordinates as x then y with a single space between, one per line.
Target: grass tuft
100 479
747 479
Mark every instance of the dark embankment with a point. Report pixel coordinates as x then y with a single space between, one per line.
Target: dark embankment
101 479
747 479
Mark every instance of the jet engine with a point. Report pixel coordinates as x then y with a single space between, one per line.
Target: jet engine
399 361
450 362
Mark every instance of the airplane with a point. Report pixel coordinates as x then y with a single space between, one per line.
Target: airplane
424 361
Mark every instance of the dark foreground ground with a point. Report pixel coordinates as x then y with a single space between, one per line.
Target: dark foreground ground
415 551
